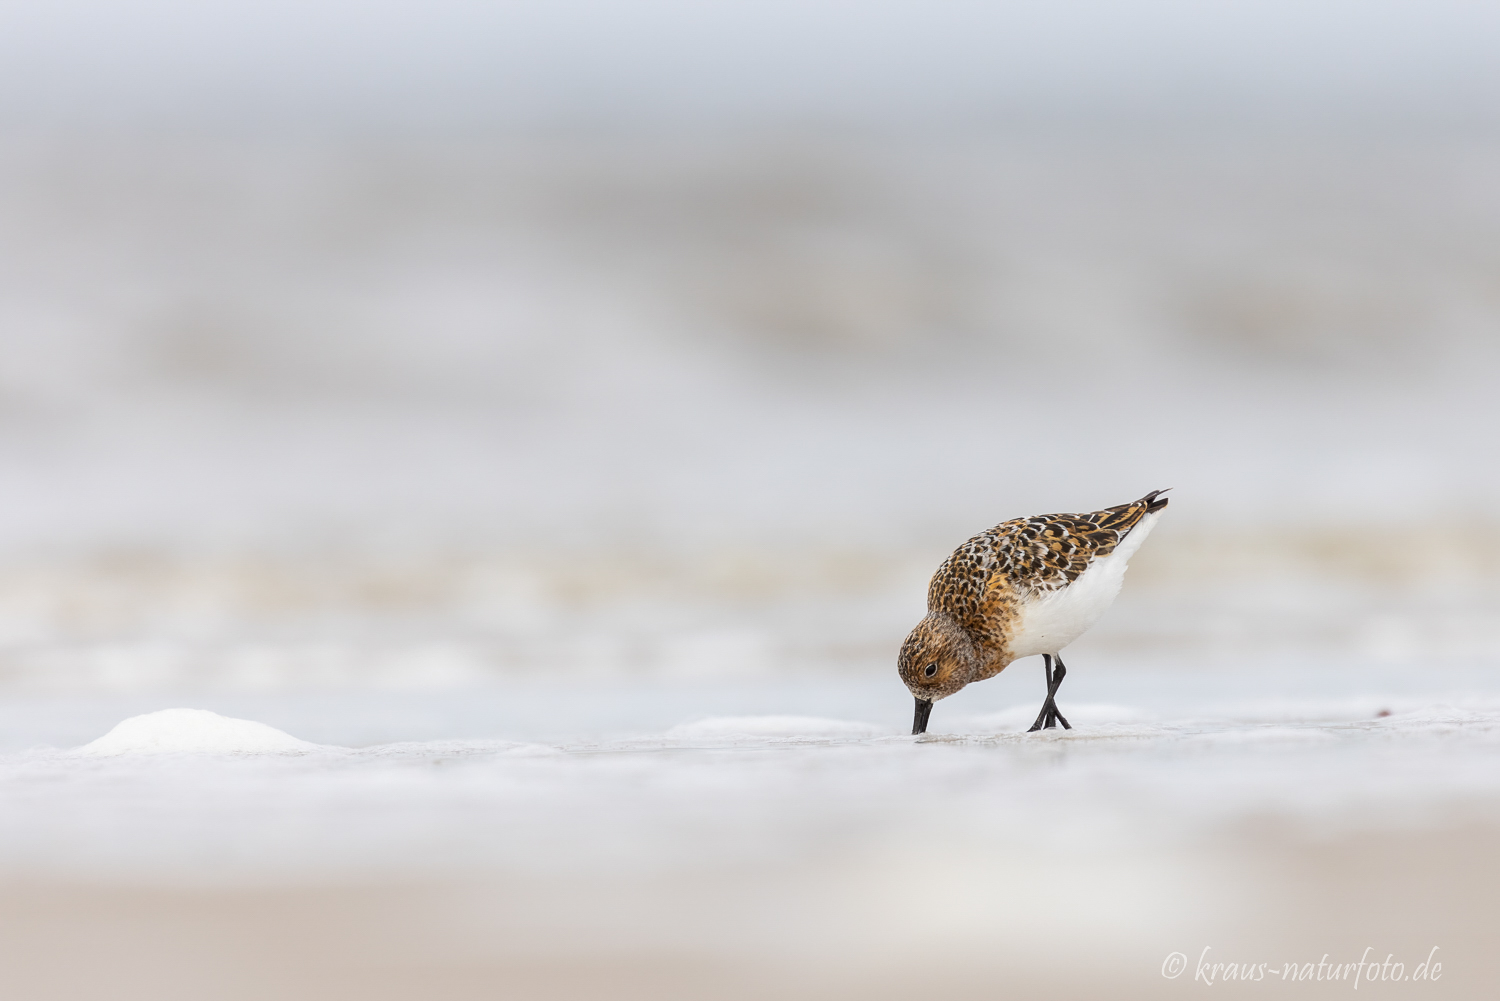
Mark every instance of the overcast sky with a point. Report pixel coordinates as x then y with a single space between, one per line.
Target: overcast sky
729 61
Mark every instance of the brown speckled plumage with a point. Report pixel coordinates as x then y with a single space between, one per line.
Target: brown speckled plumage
977 594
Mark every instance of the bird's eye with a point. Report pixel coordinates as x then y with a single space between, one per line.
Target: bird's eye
931 669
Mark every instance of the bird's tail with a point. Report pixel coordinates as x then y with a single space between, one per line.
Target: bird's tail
1154 501
1124 517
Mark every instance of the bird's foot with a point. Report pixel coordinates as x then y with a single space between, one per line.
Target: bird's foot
1049 717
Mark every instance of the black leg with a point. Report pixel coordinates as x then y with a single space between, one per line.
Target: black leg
1041 717
1057 678
1049 717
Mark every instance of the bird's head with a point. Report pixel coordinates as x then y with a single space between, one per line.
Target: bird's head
937 659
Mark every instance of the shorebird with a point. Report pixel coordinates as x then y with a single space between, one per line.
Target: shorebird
1028 586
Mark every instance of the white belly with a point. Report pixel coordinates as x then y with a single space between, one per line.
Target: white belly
1052 620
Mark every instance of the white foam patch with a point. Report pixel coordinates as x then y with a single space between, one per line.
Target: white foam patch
774 726
176 731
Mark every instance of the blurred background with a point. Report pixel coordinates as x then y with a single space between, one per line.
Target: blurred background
423 344
437 348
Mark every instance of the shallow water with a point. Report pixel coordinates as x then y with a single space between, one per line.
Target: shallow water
485 778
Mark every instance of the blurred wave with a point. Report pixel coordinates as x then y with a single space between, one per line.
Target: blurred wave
265 622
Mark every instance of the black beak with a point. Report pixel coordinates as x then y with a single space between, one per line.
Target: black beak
919 722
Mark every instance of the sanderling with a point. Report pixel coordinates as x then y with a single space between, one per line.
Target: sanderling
1025 587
